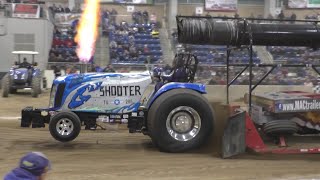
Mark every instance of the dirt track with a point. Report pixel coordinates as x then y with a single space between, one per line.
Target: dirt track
120 155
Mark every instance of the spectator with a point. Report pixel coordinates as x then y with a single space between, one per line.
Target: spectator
145 49
145 15
252 17
56 71
293 18
60 9
281 15
236 15
113 15
109 69
155 33
113 44
133 51
153 18
67 10
52 57
32 166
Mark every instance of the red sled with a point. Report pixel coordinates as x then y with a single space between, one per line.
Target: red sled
241 134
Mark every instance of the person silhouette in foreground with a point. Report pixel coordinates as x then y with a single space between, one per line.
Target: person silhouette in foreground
32 166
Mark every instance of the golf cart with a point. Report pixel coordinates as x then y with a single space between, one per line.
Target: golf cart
22 75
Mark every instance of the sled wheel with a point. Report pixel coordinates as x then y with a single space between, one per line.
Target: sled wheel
5 85
65 126
280 127
36 86
180 120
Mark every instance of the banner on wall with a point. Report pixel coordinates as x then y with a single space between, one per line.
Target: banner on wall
221 5
297 3
26 10
128 1
66 18
313 3
304 4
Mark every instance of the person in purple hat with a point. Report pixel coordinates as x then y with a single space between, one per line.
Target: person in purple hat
32 166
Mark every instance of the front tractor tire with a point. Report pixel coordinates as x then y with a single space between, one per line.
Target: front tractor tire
65 126
36 86
180 120
5 85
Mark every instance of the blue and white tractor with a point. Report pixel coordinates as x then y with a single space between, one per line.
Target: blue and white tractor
174 113
22 75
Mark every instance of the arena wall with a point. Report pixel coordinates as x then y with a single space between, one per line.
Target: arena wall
43 32
301 13
219 93
123 15
244 10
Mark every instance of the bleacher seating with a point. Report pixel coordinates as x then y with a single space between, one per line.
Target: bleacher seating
294 55
146 48
209 54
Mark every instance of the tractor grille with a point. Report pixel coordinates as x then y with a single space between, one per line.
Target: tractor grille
59 95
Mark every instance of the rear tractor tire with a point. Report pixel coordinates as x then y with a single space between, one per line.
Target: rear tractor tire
180 120
6 83
36 86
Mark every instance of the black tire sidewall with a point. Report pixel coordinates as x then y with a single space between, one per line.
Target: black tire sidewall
36 86
6 85
173 100
69 115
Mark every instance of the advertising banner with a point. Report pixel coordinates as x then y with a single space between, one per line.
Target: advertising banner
26 10
66 18
221 5
128 1
304 4
313 3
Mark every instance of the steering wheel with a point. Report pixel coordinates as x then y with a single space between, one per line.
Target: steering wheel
186 64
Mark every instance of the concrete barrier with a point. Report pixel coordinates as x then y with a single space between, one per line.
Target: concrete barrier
218 93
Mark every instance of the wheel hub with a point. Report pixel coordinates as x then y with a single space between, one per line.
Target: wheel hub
183 123
64 127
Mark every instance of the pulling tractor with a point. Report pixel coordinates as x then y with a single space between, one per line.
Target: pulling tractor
174 114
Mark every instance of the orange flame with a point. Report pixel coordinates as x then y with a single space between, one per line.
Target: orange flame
87 30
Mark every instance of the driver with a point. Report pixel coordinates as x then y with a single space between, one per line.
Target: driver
25 63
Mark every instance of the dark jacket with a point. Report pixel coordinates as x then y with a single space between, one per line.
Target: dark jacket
20 174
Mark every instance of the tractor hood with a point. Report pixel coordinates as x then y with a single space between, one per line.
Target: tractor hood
99 92
76 79
19 73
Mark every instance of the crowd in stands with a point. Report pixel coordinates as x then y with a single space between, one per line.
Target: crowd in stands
63 46
294 55
135 43
280 76
59 9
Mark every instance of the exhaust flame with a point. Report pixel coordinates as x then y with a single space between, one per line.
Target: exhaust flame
87 30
